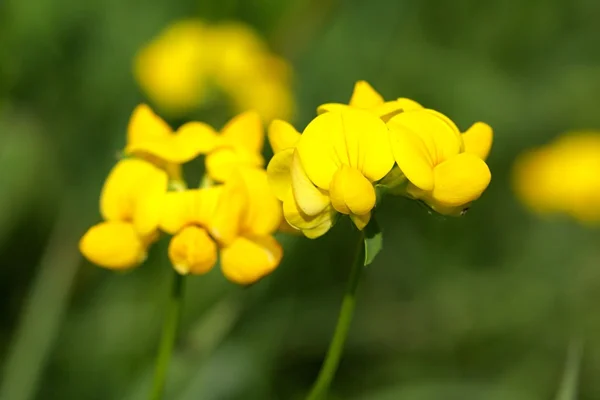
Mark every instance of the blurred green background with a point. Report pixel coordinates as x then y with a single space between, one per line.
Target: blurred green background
482 307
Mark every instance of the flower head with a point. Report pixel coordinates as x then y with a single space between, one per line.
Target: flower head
330 168
562 177
179 69
366 98
238 217
175 67
130 205
444 168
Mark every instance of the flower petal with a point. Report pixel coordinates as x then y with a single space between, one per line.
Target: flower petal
364 96
312 226
192 251
323 108
279 174
133 192
460 180
192 206
225 223
223 162
412 155
263 211
145 125
478 139
114 245
247 260
440 135
246 131
351 192
282 135
308 197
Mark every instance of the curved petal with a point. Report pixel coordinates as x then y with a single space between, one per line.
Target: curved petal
460 180
351 192
145 125
279 174
133 191
440 135
223 162
311 226
282 135
308 197
364 96
226 222
192 206
317 151
263 211
412 155
478 139
323 108
192 251
114 245
245 130
247 260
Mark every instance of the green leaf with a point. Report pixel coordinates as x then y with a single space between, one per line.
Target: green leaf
373 241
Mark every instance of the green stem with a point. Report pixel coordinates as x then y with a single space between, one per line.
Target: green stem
169 334
336 347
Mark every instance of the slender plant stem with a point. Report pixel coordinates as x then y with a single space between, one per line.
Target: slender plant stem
169 334
336 347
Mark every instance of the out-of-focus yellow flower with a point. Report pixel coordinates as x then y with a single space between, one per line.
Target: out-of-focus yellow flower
330 168
239 144
178 68
367 98
238 217
130 205
175 67
562 177
445 169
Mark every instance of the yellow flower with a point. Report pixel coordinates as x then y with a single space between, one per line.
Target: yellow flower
562 177
329 169
178 69
239 144
238 217
367 98
445 169
174 68
130 205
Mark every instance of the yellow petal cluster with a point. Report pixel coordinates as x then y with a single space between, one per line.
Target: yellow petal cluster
238 145
562 177
130 205
237 218
234 213
178 68
336 164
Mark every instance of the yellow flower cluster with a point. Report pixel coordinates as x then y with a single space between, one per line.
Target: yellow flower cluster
349 151
234 212
178 69
562 177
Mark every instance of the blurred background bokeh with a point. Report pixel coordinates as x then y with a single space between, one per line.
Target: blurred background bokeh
481 307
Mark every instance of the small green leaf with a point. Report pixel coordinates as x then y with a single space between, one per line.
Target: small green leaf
373 241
